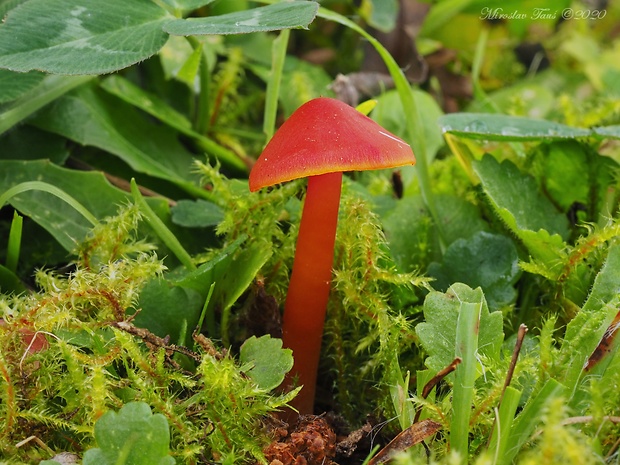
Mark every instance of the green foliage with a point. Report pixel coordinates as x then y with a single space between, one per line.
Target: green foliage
234 406
438 334
558 444
588 328
133 436
504 127
266 18
75 32
94 359
265 361
196 213
15 88
365 328
90 39
380 15
485 260
64 222
510 217
541 227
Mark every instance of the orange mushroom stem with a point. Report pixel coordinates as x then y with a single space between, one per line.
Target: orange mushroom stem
322 139
308 292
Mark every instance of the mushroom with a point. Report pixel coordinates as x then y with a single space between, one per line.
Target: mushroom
320 140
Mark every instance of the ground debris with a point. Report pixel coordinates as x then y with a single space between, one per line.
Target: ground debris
348 445
311 441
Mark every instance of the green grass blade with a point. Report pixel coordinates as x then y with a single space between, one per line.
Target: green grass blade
45 187
417 137
465 375
15 239
160 229
207 315
529 418
278 55
503 425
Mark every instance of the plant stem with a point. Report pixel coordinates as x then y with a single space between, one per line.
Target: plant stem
203 109
278 55
308 293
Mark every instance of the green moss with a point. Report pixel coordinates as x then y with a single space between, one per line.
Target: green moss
93 360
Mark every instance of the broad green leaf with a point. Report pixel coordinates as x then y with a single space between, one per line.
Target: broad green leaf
64 223
265 361
577 176
7 5
169 310
41 186
187 5
458 324
439 331
153 105
29 143
489 126
67 226
567 173
132 94
133 436
381 14
196 213
90 37
232 270
485 260
98 119
586 330
517 200
459 217
390 114
611 132
14 85
236 279
284 15
10 282
442 13
409 232
210 272
36 98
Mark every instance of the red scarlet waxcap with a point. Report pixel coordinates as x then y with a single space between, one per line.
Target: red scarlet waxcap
326 135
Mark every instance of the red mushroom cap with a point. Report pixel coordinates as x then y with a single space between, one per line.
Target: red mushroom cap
326 135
